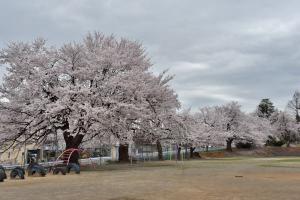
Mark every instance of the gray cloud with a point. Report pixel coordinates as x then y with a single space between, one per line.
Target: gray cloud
219 50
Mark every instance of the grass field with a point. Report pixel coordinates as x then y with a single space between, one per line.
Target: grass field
231 178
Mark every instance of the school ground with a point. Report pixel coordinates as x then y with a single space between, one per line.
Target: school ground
227 178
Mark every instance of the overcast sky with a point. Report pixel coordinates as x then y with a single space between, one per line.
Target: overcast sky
218 50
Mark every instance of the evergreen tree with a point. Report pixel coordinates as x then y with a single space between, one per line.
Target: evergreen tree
265 108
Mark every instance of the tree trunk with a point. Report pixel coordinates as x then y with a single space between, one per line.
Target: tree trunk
192 149
159 150
297 116
186 151
206 148
288 143
73 142
123 153
228 144
178 152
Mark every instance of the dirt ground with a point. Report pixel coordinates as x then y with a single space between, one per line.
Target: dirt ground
231 178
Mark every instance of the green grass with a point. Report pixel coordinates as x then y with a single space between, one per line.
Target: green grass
216 163
282 162
278 166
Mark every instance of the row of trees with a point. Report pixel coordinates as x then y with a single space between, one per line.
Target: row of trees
265 126
101 90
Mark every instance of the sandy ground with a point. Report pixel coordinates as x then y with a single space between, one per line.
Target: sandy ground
232 179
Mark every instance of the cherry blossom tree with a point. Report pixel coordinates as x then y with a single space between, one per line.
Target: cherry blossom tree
198 131
228 123
185 132
211 119
160 111
285 128
97 88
